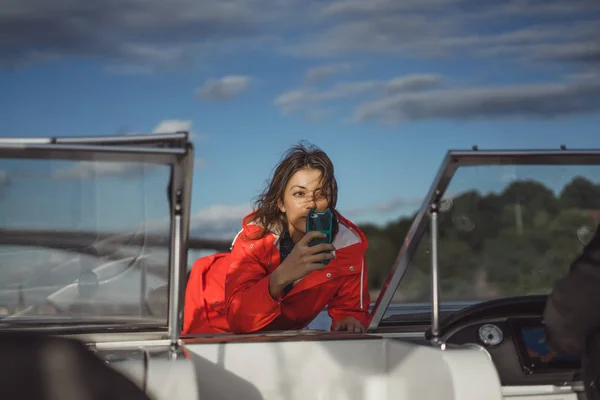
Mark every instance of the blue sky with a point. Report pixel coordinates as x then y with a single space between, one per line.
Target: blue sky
386 87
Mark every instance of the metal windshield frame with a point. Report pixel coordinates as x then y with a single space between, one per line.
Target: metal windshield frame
430 207
172 149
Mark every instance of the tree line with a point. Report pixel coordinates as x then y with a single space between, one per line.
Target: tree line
516 242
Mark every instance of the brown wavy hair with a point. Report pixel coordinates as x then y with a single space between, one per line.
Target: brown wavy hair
303 155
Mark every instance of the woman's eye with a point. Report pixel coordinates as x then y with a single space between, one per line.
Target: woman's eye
298 194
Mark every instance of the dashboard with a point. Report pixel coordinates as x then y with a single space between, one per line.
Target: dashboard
519 350
512 332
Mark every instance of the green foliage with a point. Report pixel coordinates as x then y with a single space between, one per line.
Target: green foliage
514 243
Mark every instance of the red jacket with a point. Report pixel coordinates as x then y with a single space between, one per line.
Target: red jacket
229 292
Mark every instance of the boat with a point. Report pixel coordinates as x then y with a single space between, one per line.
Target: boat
118 287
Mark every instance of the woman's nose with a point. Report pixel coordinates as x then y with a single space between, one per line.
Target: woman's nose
311 203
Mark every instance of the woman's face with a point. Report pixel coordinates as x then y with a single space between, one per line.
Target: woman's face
302 192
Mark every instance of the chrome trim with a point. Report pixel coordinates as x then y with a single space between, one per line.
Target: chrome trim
162 139
175 281
494 320
479 348
180 201
401 335
116 337
131 344
435 286
23 141
137 139
466 158
541 390
93 153
149 148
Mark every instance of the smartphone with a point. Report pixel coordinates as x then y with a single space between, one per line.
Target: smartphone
322 222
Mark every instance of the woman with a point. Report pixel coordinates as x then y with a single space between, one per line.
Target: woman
272 280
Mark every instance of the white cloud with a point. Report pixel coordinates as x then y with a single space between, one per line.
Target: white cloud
304 98
134 32
412 83
225 88
583 53
450 28
133 37
299 99
176 125
544 100
219 220
173 125
317 74
170 126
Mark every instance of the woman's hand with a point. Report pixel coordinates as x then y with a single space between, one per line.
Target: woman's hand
303 259
349 324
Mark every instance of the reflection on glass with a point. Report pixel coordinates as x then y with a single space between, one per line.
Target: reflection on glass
505 234
75 241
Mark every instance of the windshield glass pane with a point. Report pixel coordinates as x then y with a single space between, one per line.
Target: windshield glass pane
504 231
74 241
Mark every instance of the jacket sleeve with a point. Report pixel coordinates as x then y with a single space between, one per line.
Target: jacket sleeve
193 309
353 298
195 318
250 306
572 310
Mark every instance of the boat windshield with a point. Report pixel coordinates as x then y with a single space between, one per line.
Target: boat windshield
83 241
504 230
